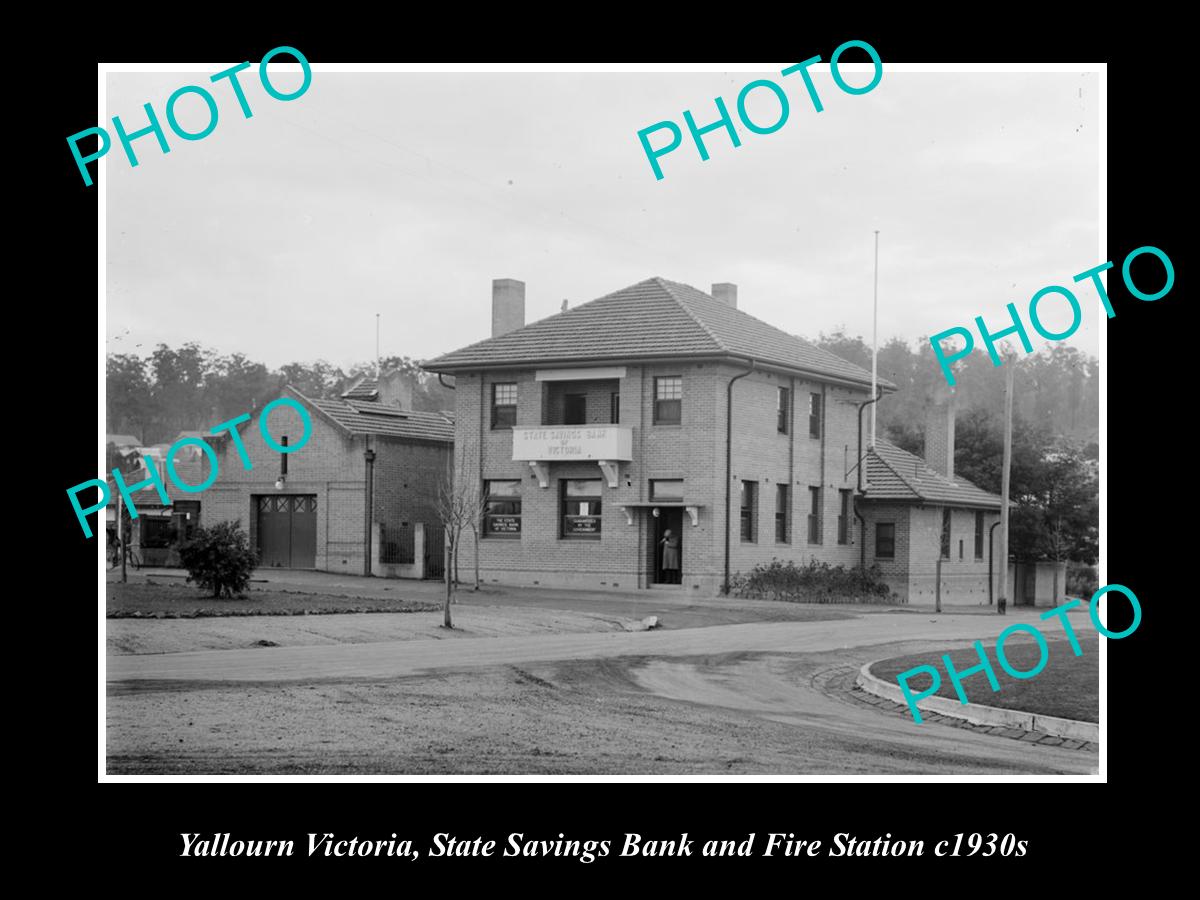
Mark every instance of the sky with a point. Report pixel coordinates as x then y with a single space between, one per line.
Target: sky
404 194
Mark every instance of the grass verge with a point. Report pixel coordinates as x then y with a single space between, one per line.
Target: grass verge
1068 687
180 601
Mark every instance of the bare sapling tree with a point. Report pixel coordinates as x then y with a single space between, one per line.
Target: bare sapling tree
459 507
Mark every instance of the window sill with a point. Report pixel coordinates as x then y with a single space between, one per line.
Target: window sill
668 425
499 537
585 540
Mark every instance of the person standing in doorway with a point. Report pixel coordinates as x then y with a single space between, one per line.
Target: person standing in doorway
670 557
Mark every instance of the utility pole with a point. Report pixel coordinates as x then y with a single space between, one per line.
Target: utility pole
1005 478
875 339
121 533
369 507
378 370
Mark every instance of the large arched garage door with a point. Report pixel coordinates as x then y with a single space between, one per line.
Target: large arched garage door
287 530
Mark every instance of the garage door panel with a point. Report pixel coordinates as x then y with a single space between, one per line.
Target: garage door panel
304 533
287 530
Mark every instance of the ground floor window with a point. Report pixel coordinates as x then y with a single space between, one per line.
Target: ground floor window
502 509
979 534
814 515
844 517
580 502
885 540
749 511
782 505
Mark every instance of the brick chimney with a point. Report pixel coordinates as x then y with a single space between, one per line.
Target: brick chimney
508 305
939 431
726 293
396 389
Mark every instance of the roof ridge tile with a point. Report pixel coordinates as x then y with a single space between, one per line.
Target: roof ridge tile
669 286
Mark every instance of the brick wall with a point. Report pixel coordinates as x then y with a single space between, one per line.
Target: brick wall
761 453
964 581
912 574
894 570
407 479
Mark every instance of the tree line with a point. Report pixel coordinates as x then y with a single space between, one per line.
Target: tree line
1056 434
191 388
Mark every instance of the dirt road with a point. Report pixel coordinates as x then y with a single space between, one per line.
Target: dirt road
735 714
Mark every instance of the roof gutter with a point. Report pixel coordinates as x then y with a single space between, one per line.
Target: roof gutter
812 374
729 463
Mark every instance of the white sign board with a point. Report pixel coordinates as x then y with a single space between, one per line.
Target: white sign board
603 442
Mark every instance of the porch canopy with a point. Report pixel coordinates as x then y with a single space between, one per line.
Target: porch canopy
693 509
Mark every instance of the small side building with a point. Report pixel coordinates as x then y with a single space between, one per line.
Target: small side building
160 528
922 520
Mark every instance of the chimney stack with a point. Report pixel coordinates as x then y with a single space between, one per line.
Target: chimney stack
939 431
396 389
508 305
726 293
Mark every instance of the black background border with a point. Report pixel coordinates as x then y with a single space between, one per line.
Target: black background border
1148 403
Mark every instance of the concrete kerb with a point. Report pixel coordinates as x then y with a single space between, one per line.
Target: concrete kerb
978 714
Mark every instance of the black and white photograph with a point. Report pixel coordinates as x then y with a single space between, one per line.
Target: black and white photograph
692 421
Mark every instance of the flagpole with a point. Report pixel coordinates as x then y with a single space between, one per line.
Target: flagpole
875 341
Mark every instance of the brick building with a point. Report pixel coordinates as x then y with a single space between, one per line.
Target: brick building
659 407
312 515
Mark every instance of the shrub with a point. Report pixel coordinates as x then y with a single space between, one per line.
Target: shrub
815 582
220 559
1081 580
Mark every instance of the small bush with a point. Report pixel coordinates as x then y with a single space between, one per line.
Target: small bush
220 559
815 582
1081 580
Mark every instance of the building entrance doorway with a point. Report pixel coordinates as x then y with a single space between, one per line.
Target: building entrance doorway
666 560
